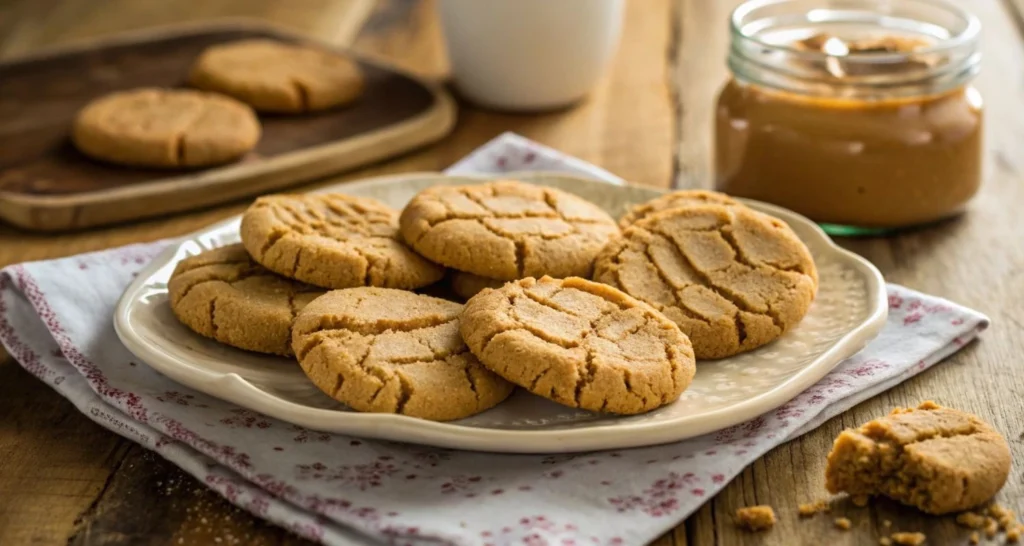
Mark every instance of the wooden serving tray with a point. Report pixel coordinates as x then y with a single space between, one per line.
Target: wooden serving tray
46 184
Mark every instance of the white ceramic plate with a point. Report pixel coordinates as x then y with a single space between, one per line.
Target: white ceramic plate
849 311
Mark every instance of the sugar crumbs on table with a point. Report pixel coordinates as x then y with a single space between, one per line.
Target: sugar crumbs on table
1004 516
908 539
971 520
885 541
991 527
860 500
842 523
809 509
975 538
755 518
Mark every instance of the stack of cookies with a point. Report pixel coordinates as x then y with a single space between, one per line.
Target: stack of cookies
330 280
182 128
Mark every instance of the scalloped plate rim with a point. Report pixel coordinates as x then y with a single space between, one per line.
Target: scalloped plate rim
603 435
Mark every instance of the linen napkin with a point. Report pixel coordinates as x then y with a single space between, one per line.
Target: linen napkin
55 319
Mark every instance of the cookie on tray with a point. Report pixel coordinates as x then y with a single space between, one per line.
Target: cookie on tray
676 200
507 230
274 76
733 279
333 241
391 351
165 128
224 295
940 460
582 344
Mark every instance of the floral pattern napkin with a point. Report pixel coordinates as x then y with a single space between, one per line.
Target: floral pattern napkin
55 319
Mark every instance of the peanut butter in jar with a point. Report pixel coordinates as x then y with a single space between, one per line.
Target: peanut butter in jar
862 119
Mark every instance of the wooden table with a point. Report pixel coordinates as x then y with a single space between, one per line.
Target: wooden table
66 480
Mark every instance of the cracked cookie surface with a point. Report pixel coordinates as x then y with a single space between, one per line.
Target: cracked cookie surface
333 241
507 230
733 279
273 76
390 351
153 127
937 459
579 343
676 200
224 295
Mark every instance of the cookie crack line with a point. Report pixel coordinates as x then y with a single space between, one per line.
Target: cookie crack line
680 304
574 222
341 324
730 238
251 271
721 290
190 267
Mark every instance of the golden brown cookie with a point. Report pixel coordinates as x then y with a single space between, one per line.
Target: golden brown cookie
224 295
391 351
507 230
579 343
165 128
466 285
274 76
676 200
938 459
334 241
732 278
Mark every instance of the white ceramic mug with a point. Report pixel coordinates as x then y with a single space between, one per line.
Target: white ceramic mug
529 54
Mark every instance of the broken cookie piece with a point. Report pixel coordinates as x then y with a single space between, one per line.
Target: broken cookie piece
755 518
937 459
908 539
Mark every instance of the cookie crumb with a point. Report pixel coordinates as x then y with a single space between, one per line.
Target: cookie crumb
809 509
991 527
755 518
1014 533
1004 516
908 539
975 538
860 500
970 520
887 524
842 523
885 541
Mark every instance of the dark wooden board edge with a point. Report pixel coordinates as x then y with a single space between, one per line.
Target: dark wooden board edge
117 205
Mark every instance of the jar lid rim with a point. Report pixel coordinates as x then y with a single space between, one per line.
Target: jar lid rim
967 36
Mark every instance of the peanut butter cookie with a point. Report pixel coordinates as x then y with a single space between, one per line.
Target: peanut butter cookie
937 459
466 285
676 200
733 279
392 351
507 230
334 241
224 295
579 343
278 77
165 128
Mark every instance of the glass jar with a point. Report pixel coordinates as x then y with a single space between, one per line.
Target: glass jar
859 114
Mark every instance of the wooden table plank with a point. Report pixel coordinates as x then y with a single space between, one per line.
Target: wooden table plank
48 23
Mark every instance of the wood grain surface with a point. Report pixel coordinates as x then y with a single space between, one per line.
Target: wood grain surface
64 479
